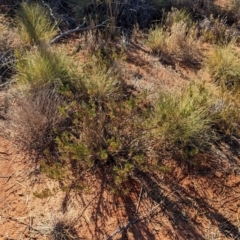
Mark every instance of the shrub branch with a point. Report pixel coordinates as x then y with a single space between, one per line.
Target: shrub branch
80 28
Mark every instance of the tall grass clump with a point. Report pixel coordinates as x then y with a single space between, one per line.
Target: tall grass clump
39 67
216 30
176 41
224 66
183 121
34 24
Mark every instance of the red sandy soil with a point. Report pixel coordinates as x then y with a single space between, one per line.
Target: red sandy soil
189 203
200 202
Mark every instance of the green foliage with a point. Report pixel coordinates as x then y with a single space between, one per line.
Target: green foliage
39 67
224 66
43 194
34 24
52 170
105 134
182 119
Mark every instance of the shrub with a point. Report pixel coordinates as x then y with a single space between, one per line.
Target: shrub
227 117
121 13
63 230
216 30
107 135
182 120
176 44
224 66
9 40
8 37
34 24
31 118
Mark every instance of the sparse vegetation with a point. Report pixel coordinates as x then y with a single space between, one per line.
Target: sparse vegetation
93 106
176 41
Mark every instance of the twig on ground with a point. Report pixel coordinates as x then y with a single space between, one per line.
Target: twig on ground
22 223
8 177
139 199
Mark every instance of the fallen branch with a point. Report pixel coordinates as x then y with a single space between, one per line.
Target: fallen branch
8 177
139 199
80 28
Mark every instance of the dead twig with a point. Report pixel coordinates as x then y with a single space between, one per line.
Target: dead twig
8 177
139 199
80 28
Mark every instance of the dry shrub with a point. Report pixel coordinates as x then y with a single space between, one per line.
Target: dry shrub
9 40
216 30
31 118
176 40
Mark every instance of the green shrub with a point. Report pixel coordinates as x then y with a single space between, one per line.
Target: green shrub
182 119
34 24
106 135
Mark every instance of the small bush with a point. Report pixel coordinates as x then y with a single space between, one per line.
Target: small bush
9 39
224 65
227 117
34 24
120 13
31 118
106 135
177 44
63 230
182 119
216 30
